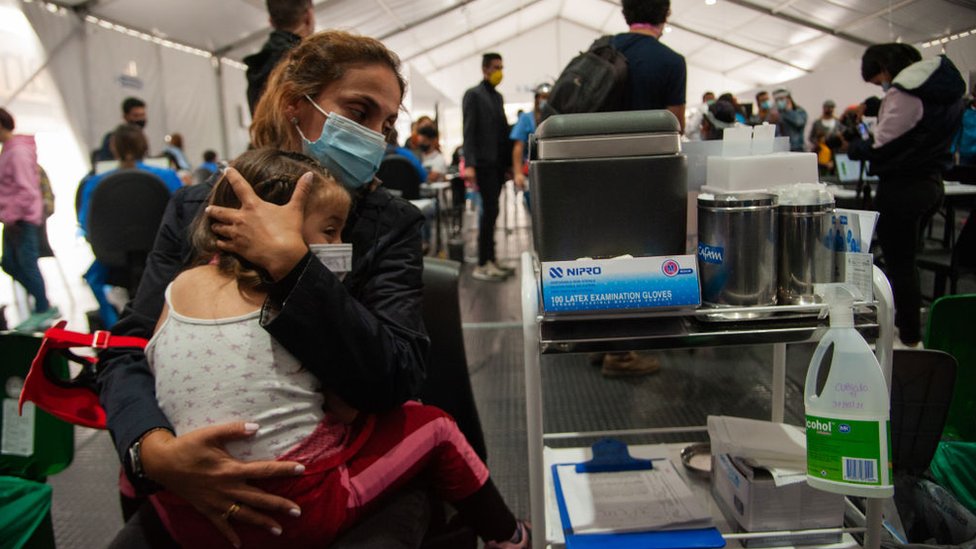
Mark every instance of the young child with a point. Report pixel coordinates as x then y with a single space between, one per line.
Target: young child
214 363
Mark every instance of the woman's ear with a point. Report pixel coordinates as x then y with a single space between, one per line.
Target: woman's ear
291 112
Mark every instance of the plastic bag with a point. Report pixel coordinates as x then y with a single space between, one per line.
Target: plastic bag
932 516
954 467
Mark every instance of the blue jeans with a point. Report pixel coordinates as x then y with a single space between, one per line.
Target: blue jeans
97 278
20 250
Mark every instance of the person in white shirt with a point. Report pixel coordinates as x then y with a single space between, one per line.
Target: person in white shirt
430 153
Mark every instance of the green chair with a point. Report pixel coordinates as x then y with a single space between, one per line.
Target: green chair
32 447
952 328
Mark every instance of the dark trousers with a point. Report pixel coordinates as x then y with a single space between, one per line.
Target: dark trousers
20 251
490 181
904 202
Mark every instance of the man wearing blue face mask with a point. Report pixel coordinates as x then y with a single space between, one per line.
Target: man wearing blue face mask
763 108
790 118
486 158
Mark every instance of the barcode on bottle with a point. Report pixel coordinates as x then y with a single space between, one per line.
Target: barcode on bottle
860 470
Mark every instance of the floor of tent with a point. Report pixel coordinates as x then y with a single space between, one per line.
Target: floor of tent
691 385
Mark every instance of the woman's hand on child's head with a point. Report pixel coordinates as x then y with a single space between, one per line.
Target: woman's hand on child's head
196 467
267 235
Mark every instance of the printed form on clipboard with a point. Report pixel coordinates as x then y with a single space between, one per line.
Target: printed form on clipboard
619 501
629 501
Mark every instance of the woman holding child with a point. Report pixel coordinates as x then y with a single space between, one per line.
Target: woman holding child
361 338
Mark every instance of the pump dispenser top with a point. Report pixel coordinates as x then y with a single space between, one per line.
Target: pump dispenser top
848 439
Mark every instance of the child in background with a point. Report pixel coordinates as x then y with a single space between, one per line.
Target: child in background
214 364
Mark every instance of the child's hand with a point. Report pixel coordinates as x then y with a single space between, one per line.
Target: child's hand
196 467
267 235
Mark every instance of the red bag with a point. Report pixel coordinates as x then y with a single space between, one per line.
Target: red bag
73 400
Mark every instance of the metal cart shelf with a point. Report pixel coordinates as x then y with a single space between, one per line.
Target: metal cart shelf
776 326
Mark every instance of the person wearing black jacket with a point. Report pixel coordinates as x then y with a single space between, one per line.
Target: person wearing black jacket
919 116
487 153
292 20
363 337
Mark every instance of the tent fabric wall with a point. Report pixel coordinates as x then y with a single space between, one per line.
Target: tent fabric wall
63 39
237 117
100 67
537 38
191 102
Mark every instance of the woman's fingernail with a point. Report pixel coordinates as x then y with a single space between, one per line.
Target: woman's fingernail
251 427
275 531
299 469
295 512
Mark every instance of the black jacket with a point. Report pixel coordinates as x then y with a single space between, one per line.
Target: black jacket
363 338
260 64
486 140
924 149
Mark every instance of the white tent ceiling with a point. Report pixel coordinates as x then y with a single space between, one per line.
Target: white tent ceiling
729 45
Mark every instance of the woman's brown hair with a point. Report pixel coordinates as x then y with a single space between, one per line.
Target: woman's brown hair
316 62
128 143
273 175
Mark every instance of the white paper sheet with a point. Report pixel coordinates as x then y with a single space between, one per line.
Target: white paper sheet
775 444
630 501
18 430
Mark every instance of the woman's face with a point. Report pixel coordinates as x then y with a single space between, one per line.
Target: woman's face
366 94
880 78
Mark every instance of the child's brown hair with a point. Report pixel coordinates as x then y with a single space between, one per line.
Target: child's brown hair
273 174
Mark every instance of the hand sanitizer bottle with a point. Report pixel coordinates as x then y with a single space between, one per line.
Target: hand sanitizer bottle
848 436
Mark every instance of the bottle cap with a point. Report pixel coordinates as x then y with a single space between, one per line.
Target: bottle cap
840 300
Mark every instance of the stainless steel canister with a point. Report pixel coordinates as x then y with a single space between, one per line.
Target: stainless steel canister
805 253
737 248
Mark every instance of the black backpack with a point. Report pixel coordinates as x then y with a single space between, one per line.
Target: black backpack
594 81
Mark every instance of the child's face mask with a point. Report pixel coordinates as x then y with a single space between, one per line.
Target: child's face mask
336 257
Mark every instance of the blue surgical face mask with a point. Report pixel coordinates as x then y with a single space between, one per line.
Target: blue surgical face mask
542 104
351 152
765 105
781 104
886 86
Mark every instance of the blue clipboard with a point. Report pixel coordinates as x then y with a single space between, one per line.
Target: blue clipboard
604 452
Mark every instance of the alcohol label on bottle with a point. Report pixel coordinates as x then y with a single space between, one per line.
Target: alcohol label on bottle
848 451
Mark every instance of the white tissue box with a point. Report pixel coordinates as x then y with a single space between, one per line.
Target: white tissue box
764 171
751 499
637 283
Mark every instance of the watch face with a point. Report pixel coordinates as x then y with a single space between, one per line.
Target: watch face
134 458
